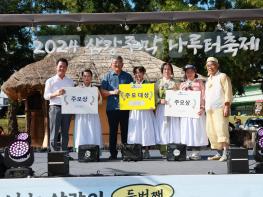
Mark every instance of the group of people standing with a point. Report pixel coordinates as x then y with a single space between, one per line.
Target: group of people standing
147 127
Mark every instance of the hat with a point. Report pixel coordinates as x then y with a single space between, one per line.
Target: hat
189 66
212 59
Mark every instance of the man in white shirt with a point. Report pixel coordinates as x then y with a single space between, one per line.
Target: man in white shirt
54 88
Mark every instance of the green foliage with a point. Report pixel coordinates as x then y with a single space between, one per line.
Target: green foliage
243 68
15 41
98 6
15 49
21 124
241 4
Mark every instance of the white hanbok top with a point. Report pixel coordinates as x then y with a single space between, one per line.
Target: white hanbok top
218 91
168 128
142 127
88 128
193 132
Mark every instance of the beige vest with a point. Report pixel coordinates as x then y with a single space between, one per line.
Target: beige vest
214 94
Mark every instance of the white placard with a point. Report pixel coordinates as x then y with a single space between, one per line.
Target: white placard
182 103
80 100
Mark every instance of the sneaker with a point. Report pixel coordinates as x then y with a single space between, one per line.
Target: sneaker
164 156
146 155
223 158
195 157
215 157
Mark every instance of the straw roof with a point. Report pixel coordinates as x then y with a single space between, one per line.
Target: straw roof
33 76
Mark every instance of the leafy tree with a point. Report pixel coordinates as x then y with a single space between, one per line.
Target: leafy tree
15 50
245 67
15 41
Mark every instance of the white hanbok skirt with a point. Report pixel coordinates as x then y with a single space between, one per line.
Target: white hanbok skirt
168 127
142 127
193 131
87 130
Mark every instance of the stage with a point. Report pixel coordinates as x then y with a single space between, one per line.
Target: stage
155 177
154 166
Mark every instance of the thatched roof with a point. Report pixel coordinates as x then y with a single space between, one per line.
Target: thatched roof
33 76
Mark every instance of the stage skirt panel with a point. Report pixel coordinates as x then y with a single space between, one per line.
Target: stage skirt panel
193 131
142 126
168 127
87 130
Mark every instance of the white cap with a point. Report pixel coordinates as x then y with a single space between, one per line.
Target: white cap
212 59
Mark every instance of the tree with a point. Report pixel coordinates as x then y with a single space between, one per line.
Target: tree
15 42
245 67
11 114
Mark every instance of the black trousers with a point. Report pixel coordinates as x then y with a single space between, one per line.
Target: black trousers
116 117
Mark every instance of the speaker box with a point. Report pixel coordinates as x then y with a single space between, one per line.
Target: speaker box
88 153
237 162
176 152
58 164
131 152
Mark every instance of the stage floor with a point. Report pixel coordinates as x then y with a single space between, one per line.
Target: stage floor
154 166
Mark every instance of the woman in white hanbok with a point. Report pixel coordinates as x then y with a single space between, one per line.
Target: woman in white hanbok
168 127
87 126
193 131
142 125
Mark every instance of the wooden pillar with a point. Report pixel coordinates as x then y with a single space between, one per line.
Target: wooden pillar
45 108
28 116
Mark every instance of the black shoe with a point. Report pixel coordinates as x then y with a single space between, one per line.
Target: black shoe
113 157
53 147
70 158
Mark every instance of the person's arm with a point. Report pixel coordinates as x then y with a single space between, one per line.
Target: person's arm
228 95
99 97
47 91
48 94
182 86
202 101
105 92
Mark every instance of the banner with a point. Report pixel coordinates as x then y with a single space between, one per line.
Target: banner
211 43
179 44
150 43
182 103
136 96
80 100
245 185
